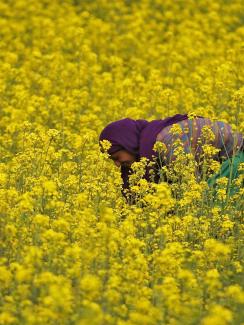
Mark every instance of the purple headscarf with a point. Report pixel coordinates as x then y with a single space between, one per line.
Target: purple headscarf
124 134
137 137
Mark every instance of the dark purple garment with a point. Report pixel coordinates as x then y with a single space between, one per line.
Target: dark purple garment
137 137
124 134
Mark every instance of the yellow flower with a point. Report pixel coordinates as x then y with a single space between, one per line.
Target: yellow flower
215 250
50 187
105 145
175 129
91 285
7 318
41 220
236 293
218 315
5 277
159 146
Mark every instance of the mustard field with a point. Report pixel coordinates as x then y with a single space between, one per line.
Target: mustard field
72 250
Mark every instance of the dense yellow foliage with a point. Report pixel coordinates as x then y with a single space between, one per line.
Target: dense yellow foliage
72 251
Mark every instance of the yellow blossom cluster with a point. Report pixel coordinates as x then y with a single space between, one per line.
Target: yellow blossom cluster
72 250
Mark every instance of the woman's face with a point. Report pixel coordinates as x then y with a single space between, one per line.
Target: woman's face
123 158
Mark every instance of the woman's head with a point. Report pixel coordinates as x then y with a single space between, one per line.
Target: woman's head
123 158
124 136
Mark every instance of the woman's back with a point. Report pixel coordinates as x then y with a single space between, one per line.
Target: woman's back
225 138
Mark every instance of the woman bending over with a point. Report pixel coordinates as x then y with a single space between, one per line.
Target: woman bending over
134 139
